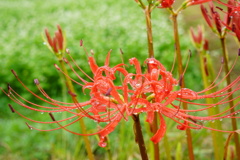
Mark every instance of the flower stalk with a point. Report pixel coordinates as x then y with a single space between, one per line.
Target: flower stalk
167 148
231 103
154 128
216 137
147 12
149 31
220 28
180 71
57 45
81 121
208 75
139 137
151 55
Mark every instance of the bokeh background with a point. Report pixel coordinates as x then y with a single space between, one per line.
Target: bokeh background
102 25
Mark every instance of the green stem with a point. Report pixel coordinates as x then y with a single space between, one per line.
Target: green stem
64 97
137 125
151 55
234 122
167 148
149 31
81 122
180 71
207 76
139 137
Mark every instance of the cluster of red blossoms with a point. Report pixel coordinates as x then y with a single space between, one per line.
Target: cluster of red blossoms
231 21
149 92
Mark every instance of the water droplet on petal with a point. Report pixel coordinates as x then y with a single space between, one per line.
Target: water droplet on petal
102 144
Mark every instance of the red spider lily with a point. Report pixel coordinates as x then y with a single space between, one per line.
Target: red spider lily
149 92
166 3
232 21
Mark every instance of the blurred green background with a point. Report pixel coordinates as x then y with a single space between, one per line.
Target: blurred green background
103 25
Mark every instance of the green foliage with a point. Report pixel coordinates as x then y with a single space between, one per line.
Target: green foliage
179 152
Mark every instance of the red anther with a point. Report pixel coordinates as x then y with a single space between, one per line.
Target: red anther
30 127
67 51
65 60
219 8
108 92
72 94
222 60
121 51
190 53
9 87
205 66
52 117
36 81
180 80
14 73
56 66
81 43
10 106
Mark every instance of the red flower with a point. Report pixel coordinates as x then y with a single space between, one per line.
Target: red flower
232 20
148 92
166 3
196 2
213 19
